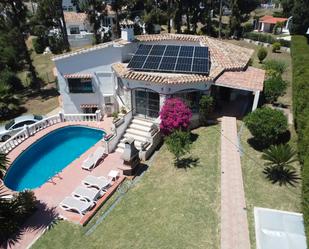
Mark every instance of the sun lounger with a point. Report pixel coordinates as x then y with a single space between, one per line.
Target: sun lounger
76 205
93 159
89 194
100 183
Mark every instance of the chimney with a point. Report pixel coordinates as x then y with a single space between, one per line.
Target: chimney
127 30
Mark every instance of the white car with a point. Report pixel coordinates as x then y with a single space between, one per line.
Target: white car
15 125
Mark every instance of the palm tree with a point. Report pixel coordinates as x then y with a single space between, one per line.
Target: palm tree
279 157
4 161
279 168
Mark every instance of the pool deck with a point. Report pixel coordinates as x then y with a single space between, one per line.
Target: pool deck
54 191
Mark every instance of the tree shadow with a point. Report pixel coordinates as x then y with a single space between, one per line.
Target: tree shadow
257 145
187 162
283 177
44 93
44 217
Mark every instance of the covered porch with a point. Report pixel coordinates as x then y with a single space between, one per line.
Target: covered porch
236 93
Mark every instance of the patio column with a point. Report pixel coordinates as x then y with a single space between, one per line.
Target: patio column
162 99
256 100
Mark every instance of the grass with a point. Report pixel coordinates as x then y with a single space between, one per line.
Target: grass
259 191
283 56
168 208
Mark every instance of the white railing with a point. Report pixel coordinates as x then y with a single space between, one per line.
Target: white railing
30 130
119 130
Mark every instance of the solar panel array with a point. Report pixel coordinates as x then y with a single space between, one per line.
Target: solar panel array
171 58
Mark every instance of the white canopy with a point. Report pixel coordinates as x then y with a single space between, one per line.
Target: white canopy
275 229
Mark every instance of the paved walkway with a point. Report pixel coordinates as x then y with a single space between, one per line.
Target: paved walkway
234 223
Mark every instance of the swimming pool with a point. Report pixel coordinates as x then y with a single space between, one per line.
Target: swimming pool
49 155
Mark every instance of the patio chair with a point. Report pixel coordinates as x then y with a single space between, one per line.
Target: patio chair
75 205
93 159
100 183
88 194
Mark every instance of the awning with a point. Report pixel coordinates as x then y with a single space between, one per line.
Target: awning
82 106
252 79
78 76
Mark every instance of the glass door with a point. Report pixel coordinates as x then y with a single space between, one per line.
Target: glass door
147 103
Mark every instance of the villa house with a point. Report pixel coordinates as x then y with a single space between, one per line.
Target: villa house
267 23
79 29
110 76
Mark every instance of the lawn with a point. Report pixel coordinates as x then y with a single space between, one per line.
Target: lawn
259 191
168 208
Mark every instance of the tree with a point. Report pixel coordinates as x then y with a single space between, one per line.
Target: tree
4 161
206 107
266 125
178 143
274 87
117 6
262 53
276 47
96 12
300 22
174 115
16 14
274 67
13 213
50 14
279 160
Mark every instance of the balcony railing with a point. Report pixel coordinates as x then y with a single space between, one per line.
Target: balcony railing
30 130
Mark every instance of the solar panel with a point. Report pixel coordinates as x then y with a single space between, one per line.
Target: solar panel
171 58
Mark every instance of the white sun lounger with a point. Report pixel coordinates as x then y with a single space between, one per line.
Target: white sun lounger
72 204
93 159
100 183
89 194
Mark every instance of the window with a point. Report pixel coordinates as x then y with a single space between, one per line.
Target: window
70 8
21 124
192 99
74 30
80 85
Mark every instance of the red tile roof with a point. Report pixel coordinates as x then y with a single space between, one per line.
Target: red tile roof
78 76
272 20
73 17
250 79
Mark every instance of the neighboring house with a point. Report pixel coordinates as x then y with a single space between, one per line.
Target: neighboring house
267 23
67 5
79 29
99 77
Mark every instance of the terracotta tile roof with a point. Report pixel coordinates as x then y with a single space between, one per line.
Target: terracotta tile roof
223 54
73 17
78 76
160 78
250 79
271 19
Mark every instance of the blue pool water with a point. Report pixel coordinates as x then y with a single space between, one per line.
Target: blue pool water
49 155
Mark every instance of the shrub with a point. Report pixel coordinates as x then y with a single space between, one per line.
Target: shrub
206 107
300 61
9 79
248 27
274 87
178 143
274 67
266 125
175 115
262 53
266 38
38 45
276 47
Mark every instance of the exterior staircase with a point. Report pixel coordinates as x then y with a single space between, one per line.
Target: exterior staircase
141 130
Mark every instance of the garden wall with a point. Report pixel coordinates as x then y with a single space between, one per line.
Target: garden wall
300 62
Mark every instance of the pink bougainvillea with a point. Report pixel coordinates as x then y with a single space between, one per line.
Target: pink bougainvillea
175 114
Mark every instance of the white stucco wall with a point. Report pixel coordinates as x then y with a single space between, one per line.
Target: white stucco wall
97 62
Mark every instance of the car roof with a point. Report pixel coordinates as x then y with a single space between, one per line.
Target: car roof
24 118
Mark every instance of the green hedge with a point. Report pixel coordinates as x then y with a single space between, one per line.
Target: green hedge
300 62
266 38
